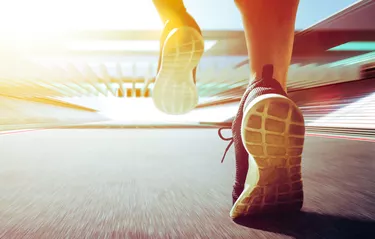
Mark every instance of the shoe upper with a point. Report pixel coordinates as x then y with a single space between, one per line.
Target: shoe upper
264 85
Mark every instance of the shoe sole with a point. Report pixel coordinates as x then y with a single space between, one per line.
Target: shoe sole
174 91
273 132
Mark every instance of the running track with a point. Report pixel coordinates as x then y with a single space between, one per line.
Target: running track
169 183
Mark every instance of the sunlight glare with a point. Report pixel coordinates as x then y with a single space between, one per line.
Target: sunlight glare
30 17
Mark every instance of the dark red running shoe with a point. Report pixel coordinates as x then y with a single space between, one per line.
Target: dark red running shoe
268 135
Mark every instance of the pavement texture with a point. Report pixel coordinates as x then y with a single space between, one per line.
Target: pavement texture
169 183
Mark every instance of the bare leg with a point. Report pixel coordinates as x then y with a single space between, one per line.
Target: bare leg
170 10
269 30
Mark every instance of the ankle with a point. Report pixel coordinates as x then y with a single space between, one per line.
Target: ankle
268 73
265 73
185 19
169 10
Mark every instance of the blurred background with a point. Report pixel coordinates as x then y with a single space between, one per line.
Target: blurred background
74 62
76 81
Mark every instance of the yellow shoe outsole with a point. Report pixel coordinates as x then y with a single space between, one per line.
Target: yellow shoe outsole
174 91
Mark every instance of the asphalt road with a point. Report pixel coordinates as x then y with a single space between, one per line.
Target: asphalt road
169 183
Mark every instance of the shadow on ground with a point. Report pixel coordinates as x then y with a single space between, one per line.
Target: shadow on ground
303 225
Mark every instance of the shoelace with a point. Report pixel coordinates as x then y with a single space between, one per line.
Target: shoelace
225 139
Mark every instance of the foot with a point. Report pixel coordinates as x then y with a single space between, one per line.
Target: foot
268 134
175 91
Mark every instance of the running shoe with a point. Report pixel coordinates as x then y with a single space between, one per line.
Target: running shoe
268 135
175 90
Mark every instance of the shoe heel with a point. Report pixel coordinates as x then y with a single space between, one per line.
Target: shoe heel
273 132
